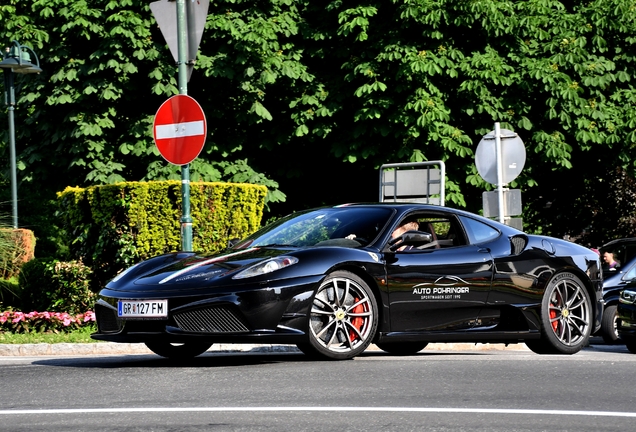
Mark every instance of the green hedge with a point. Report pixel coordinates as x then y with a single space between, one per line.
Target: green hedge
111 227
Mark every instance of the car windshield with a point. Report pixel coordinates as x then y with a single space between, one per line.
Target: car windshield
344 226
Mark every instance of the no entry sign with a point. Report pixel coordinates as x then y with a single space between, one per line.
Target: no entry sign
180 129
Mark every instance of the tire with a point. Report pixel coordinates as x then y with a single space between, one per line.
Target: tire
539 346
178 351
343 318
566 317
309 351
402 348
609 330
631 346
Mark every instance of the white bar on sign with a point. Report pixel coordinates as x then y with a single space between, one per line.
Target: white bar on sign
179 130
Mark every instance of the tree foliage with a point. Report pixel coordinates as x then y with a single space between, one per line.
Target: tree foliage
310 98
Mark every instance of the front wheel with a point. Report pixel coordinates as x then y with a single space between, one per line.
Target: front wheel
566 317
343 317
402 348
178 351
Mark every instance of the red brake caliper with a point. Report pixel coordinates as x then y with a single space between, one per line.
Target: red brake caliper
555 324
357 321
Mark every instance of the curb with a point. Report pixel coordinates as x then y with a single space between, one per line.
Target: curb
111 348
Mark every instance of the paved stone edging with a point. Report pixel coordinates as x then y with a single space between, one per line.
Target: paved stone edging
110 348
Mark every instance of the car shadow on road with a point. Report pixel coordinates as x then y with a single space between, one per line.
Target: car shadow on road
216 359
221 359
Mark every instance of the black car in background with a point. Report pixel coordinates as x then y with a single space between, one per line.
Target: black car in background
614 281
334 280
626 319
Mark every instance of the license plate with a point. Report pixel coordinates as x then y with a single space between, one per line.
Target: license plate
142 308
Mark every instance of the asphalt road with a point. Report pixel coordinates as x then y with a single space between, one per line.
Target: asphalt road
436 390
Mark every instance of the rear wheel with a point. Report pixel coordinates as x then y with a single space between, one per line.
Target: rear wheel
566 316
343 317
402 348
178 351
609 329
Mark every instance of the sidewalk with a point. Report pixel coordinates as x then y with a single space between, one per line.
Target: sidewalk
109 348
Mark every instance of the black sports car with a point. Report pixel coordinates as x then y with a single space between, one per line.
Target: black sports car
333 280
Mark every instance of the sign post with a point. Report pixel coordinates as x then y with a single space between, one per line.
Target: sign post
190 21
179 131
500 158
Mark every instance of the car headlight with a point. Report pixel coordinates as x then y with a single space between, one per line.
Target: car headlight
628 297
268 266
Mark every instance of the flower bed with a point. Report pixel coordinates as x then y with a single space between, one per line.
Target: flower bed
52 322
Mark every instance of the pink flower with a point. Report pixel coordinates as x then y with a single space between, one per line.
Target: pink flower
51 319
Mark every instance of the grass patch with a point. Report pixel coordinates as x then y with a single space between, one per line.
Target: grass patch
78 336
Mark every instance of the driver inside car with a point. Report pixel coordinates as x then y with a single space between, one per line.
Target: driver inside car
407 225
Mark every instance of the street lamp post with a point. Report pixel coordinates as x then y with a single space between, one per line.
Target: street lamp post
16 59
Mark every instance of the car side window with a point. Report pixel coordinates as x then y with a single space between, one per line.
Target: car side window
442 228
478 232
631 274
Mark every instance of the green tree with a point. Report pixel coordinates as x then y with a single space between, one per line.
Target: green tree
310 98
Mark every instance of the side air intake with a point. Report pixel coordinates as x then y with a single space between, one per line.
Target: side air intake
107 320
518 244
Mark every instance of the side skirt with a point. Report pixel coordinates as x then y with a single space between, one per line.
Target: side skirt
467 336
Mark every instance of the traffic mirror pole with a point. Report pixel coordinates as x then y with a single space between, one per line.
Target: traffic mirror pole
182 42
500 175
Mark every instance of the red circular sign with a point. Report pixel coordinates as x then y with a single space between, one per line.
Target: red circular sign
180 129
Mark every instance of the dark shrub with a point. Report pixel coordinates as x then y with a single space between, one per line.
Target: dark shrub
56 286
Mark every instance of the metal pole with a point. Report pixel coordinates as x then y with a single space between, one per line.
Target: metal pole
10 102
182 44
499 172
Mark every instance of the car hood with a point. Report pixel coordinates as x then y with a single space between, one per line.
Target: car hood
182 270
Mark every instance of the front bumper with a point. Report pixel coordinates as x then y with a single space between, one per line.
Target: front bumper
274 313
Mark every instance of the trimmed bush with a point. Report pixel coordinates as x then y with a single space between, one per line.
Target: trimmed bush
56 286
111 227
17 246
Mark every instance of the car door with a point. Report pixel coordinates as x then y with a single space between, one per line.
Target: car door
442 287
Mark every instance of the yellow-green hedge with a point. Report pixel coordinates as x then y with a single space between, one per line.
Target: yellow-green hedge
111 227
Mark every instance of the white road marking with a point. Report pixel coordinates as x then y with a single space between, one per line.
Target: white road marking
322 409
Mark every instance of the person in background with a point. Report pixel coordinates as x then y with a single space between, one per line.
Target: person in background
609 263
